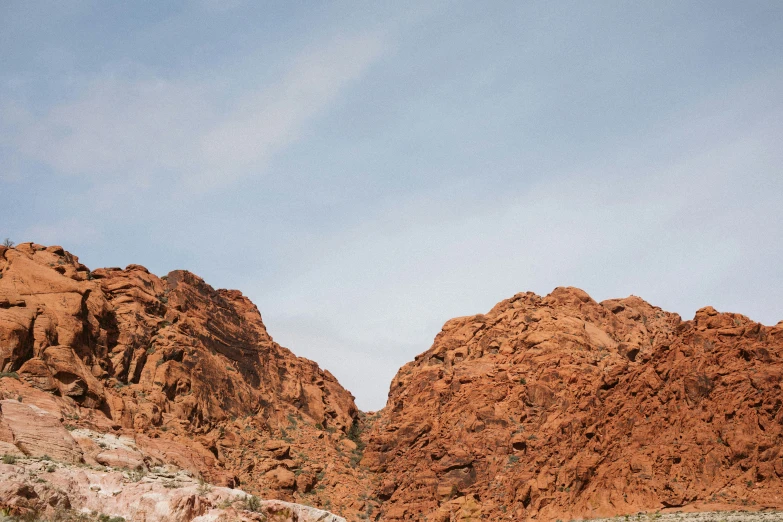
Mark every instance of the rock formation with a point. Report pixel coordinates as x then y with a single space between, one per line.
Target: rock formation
545 408
43 488
560 407
187 374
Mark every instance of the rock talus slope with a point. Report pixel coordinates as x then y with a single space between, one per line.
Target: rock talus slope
560 407
177 372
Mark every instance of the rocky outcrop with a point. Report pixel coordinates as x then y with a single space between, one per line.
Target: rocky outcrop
544 408
187 373
33 488
36 432
562 407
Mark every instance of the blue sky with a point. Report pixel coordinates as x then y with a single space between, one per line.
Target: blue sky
365 171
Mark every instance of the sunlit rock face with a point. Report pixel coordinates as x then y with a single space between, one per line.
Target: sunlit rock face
560 407
554 407
187 373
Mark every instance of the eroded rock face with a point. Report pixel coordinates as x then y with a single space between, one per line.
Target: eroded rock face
53 491
547 407
185 372
562 407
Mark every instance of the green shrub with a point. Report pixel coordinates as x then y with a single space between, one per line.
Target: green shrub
9 459
253 503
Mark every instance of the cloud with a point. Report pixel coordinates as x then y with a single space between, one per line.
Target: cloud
127 123
266 122
119 128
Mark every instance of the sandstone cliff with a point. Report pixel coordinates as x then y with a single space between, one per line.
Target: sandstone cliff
560 407
181 373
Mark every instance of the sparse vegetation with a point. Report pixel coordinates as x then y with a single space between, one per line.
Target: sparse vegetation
356 457
107 518
136 475
355 434
204 487
9 459
253 503
8 243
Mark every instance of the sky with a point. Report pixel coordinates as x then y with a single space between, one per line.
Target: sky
365 171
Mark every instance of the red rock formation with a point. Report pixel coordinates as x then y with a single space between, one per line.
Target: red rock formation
188 372
553 407
562 407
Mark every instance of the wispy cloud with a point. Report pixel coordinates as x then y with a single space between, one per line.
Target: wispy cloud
128 124
266 122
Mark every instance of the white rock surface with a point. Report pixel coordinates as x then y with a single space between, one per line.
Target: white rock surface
158 496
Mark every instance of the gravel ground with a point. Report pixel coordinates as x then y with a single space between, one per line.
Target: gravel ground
705 516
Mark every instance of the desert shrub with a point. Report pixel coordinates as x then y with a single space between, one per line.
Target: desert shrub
204 487
355 434
136 475
9 459
355 459
253 503
107 518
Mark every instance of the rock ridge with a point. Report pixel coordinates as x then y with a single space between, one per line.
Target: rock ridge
560 407
185 374
544 408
